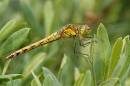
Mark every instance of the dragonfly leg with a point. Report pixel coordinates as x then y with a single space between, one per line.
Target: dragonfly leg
86 42
75 48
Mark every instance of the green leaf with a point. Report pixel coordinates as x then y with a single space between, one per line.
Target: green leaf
3 6
124 60
127 83
66 72
84 79
33 64
111 82
50 79
126 51
87 80
102 53
8 29
116 51
36 79
14 41
125 76
48 15
104 43
5 78
79 80
6 66
30 17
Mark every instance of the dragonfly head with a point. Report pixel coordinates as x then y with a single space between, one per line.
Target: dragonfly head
84 30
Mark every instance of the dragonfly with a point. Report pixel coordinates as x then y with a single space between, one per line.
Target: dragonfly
67 31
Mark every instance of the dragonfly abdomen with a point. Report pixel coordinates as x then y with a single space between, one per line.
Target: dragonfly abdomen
51 38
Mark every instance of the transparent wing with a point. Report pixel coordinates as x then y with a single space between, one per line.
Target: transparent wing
82 51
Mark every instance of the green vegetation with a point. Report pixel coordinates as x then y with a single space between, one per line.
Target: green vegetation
26 21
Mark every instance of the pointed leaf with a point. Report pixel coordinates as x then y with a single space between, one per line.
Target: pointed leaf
111 82
79 81
116 51
124 60
125 76
66 72
30 18
126 51
36 79
102 53
14 41
48 15
5 78
87 80
8 29
34 64
50 79
84 79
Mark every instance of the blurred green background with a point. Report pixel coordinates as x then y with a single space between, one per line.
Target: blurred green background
26 21
44 16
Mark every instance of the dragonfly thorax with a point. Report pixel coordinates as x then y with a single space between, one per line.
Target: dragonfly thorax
69 31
